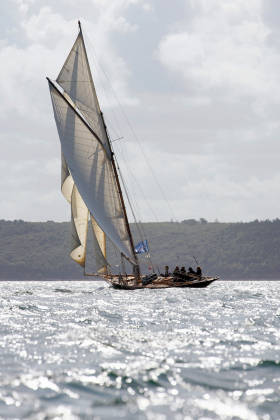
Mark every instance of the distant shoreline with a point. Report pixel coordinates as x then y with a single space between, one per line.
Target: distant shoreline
237 251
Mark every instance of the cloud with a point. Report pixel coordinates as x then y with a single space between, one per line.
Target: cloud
200 186
30 190
148 7
224 52
199 84
49 38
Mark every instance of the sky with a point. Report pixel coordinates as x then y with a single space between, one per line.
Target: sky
198 81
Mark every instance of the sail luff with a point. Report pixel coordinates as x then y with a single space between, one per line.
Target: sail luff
90 76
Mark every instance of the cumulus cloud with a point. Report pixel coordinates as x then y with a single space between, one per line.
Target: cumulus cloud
49 37
225 52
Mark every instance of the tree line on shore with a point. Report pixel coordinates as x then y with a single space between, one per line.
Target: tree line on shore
31 250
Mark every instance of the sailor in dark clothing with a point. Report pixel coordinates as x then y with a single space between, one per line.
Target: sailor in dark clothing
182 275
191 274
183 270
198 271
176 271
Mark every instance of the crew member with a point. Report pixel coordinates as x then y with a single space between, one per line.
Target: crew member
176 272
183 270
167 272
191 271
198 271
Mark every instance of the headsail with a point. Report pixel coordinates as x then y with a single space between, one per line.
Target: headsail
99 247
79 228
78 243
67 181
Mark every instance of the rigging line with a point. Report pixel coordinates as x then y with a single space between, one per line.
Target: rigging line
129 176
134 136
165 234
138 224
133 210
158 265
103 83
94 255
143 195
136 204
131 181
125 188
115 249
91 255
138 211
118 265
119 128
133 132
120 136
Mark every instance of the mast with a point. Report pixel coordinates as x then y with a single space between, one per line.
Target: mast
120 192
112 161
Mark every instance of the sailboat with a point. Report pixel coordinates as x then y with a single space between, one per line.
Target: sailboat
90 180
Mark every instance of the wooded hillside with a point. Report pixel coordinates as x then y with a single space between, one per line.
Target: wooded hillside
228 250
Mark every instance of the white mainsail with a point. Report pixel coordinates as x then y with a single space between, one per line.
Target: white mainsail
86 148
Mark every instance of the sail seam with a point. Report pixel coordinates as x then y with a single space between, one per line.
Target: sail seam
80 117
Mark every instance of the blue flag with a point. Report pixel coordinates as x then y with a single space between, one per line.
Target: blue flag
142 247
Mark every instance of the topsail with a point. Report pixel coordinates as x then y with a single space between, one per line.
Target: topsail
76 80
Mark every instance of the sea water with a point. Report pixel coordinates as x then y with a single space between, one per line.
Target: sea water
82 350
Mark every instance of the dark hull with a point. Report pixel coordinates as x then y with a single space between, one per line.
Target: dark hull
194 285
200 285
